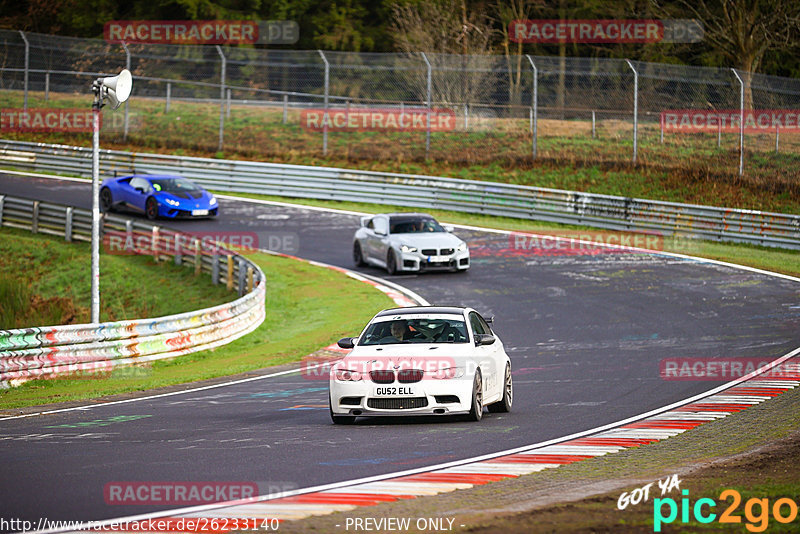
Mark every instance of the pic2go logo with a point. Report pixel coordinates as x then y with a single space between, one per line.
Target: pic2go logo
756 511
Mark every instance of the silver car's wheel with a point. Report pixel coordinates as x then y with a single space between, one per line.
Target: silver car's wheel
391 263
358 258
504 404
476 411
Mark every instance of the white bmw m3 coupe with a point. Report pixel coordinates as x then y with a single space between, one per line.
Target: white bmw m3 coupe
425 360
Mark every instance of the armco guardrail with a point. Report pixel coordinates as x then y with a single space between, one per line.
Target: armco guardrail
49 351
569 207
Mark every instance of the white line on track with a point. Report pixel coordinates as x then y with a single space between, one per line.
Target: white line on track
514 468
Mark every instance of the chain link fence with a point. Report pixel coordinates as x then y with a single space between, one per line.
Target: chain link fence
477 109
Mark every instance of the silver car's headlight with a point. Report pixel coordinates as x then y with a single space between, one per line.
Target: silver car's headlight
407 249
462 247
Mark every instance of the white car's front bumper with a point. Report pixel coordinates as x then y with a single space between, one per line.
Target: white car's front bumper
426 397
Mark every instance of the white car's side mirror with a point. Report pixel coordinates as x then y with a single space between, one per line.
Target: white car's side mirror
484 339
347 342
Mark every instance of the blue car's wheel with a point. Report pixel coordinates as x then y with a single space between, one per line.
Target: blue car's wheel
151 208
106 200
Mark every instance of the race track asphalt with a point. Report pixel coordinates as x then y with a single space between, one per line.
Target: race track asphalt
586 333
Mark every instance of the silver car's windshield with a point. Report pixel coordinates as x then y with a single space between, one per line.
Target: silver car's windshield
412 225
415 331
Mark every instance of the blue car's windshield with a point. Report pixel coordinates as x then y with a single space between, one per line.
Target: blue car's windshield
174 185
415 331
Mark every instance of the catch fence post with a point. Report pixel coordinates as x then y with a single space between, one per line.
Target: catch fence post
535 108
741 122
27 63
428 105
635 109
127 102
221 98
325 104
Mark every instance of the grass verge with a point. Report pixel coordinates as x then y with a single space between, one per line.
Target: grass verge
307 308
46 281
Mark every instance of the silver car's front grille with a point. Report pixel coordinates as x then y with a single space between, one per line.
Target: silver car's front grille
435 252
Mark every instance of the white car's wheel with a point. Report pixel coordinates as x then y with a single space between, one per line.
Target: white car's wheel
476 410
504 404
340 419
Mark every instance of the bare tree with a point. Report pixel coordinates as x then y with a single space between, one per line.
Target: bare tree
743 31
441 29
506 12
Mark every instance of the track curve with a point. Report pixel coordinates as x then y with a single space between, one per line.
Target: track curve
585 333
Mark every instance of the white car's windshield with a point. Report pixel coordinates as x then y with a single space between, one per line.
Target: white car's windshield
415 331
413 225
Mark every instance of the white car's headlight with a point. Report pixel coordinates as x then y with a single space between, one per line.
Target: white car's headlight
407 249
462 247
447 373
172 202
346 375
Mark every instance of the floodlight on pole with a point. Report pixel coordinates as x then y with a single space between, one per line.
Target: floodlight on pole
115 89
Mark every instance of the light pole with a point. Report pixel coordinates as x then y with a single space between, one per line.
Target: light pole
115 89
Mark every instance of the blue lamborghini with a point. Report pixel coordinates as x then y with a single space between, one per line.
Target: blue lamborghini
157 196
